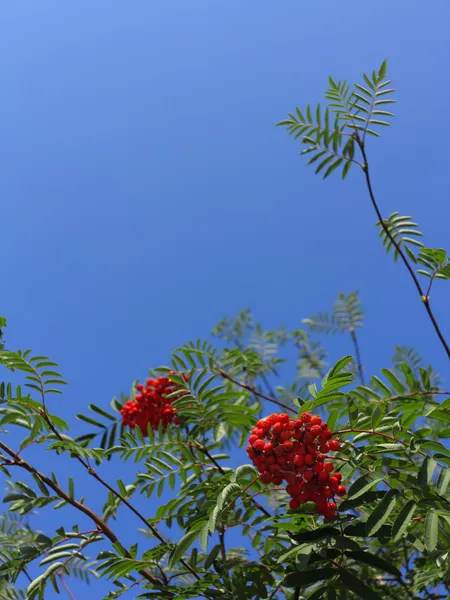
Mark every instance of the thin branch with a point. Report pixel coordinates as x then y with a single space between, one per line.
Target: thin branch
103 527
424 297
358 355
206 452
66 587
251 389
117 494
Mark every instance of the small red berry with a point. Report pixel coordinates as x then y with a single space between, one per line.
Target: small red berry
335 445
310 459
266 477
258 445
341 491
294 503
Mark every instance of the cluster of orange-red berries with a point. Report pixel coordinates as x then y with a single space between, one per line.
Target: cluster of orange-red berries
295 451
151 405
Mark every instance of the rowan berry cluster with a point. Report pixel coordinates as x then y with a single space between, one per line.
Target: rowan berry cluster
151 405
295 451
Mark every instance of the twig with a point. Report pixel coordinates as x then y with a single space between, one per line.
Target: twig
20 462
358 355
424 297
251 389
259 506
66 587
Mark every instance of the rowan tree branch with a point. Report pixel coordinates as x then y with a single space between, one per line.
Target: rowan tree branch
425 299
102 526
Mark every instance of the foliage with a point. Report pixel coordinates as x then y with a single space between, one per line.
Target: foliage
391 537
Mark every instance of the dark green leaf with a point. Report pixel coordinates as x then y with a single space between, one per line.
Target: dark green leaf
356 586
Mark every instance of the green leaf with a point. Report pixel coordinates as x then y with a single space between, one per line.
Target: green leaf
431 530
443 481
363 484
403 520
204 534
305 578
333 167
356 586
381 512
316 534
426 471
346 169
374 561
186 541
393 380
91 421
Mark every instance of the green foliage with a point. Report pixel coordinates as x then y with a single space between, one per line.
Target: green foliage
403 232
436 261
347 315
332 134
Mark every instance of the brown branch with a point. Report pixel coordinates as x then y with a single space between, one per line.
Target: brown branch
424 297
66 587
251 389
368 431
214 461
358 356
117 494
102 526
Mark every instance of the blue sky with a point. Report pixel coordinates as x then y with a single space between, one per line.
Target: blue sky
146 191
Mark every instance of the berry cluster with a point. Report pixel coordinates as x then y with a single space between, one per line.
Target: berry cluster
295 451
151 405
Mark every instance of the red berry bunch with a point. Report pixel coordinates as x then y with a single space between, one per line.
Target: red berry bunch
151 405
295 451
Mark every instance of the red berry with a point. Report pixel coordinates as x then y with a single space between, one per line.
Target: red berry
294 503
277 428
268 448
283 418
310 459
329 467
335 445
302 497
299 460
328 492
308 476
341 491
305 417
266 477
315 430
279 450
258 445
316 420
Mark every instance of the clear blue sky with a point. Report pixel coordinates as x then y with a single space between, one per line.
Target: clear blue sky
145 191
